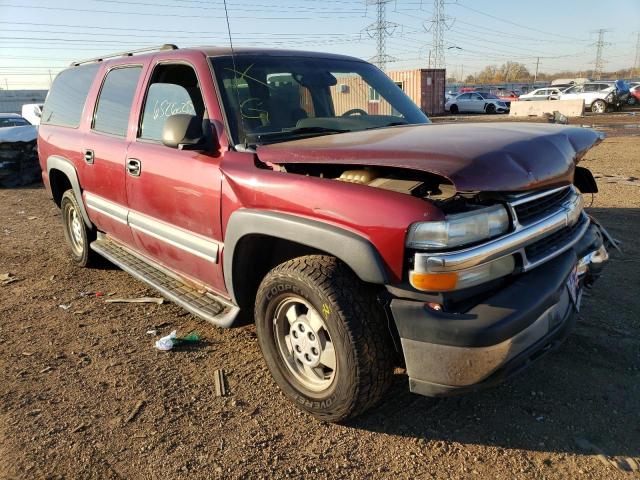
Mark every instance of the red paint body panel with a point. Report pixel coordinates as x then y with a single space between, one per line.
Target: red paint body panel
380 216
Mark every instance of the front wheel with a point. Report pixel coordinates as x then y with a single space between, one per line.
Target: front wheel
322 335
76 232
599 106
491 109
453 109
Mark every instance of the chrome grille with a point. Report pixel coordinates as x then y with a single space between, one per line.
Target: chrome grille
531 208
549 245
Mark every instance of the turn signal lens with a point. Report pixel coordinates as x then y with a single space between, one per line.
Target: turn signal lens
437 282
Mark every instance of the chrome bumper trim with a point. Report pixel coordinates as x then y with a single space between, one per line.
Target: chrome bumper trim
514 242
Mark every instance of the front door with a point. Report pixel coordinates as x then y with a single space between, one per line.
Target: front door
173 194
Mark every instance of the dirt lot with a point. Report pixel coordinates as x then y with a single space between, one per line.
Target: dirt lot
85 395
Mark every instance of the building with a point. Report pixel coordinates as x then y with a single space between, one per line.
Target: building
424 86
11 101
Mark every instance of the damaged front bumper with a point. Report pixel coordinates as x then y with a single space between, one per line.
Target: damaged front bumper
453 353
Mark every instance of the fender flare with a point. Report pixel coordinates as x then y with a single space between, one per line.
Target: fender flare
354 250
56 162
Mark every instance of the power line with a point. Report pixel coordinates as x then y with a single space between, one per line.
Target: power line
516 24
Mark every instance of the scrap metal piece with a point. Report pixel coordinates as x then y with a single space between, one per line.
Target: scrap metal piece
219 380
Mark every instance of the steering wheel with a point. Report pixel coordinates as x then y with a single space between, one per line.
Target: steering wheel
353 111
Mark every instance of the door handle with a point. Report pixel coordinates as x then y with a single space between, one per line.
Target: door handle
88 156
134 167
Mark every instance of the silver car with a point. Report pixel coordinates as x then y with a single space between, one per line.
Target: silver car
476 102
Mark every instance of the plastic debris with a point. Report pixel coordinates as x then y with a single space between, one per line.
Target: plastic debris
168 342
152 332
7 278
156 300
64 307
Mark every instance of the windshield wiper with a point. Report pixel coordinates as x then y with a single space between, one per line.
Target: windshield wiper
291 134
390 124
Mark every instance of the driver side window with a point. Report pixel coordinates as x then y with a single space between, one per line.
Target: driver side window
173 90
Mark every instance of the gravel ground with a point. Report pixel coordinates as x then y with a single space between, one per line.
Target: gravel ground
85 395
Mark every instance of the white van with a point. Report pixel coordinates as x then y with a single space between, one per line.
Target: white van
32 112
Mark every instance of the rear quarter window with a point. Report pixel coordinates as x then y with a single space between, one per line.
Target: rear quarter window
68 95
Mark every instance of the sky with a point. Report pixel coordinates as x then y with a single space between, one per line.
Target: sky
41 37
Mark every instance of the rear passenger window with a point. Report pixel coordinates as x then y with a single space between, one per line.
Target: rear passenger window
173 89
116 98
68 95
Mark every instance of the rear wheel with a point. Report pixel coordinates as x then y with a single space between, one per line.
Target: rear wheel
76 232
453 109
599 106
490 108
323 337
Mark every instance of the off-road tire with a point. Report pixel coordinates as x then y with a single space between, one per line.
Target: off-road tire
355 322
82 255
453 109
490 109
599 106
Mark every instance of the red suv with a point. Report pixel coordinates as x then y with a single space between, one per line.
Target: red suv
305 191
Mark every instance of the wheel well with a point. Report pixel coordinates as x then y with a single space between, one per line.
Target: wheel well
59 183
254 257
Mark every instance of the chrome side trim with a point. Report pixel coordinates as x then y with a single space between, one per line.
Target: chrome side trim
189 242
569 214
106 208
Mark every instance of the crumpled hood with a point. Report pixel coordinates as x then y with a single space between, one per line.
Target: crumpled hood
475 157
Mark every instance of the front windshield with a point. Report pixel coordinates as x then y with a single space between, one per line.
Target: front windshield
275 98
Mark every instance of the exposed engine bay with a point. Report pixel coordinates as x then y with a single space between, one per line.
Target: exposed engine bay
409 182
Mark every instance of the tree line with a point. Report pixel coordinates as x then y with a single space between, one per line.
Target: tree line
514 72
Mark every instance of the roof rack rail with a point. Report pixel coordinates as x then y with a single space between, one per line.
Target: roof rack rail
166 46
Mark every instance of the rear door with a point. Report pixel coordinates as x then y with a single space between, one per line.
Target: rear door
174 195
104 151
463 102
477 103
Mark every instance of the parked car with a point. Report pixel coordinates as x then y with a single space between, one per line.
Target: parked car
548 93
507 96
598 96
266 186
476 102
18 154
634 94
12 120
32 112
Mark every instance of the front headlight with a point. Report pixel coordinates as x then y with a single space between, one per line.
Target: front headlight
459 229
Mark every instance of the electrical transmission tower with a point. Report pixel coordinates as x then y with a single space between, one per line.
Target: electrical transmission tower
636 62
438 24
600 44
380 30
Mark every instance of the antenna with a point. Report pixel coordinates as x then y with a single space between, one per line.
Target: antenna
235 72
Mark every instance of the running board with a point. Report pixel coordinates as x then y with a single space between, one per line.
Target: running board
203 304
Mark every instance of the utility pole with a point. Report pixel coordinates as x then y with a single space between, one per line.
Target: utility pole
636 62
600 44
438 24
535 77
380 30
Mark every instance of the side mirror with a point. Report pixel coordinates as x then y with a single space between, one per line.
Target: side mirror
184 132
